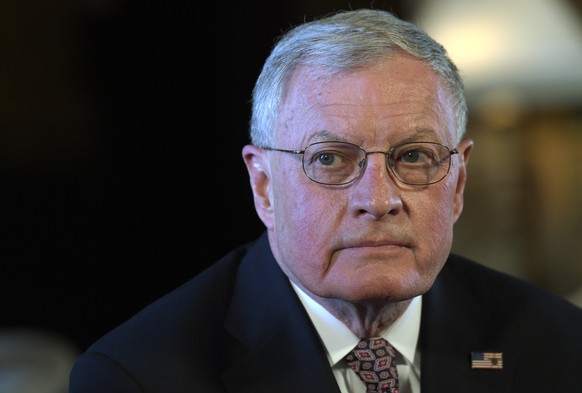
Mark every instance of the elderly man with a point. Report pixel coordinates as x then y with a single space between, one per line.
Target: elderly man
357 166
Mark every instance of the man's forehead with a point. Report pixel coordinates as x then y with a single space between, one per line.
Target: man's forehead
314 111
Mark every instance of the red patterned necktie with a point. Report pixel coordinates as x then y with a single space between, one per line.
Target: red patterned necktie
374 360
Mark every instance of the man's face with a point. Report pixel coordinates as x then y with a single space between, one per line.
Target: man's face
374 239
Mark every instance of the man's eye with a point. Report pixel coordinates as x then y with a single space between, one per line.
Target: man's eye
416 156
411 156
327 158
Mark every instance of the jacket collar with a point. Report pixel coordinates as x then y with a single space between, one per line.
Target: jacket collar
267 317
454 323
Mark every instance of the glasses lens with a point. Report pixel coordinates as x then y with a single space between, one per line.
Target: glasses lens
332 163
420 163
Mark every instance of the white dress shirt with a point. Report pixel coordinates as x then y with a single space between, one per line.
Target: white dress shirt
339 341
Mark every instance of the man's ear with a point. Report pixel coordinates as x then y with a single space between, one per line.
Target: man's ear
258 167
465 148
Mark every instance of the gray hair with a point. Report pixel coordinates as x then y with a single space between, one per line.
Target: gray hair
340 42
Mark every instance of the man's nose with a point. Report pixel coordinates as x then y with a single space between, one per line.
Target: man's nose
376 191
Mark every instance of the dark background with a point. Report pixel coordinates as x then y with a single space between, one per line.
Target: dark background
122 125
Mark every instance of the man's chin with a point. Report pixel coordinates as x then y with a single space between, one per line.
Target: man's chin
391 286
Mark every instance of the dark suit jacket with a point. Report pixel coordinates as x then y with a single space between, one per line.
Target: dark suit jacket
239 327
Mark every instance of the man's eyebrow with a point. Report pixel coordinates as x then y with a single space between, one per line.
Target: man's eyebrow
425 134
418 134
325 135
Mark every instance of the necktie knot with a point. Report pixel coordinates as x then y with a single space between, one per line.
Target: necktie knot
374 361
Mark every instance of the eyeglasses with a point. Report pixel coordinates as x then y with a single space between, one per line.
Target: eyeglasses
339 163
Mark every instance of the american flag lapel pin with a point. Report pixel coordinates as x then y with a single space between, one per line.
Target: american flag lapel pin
487 360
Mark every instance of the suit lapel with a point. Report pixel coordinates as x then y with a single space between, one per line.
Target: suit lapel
454 323
284 352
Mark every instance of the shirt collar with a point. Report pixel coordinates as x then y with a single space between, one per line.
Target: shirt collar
339 340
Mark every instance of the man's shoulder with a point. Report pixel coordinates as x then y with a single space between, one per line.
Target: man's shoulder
474 308
500 292
196 308
160 342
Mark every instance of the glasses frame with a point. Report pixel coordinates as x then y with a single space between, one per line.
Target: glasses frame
389 160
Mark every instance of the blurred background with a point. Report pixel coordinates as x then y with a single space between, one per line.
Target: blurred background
122 122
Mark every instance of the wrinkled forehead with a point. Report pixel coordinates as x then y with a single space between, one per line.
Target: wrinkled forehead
398 90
